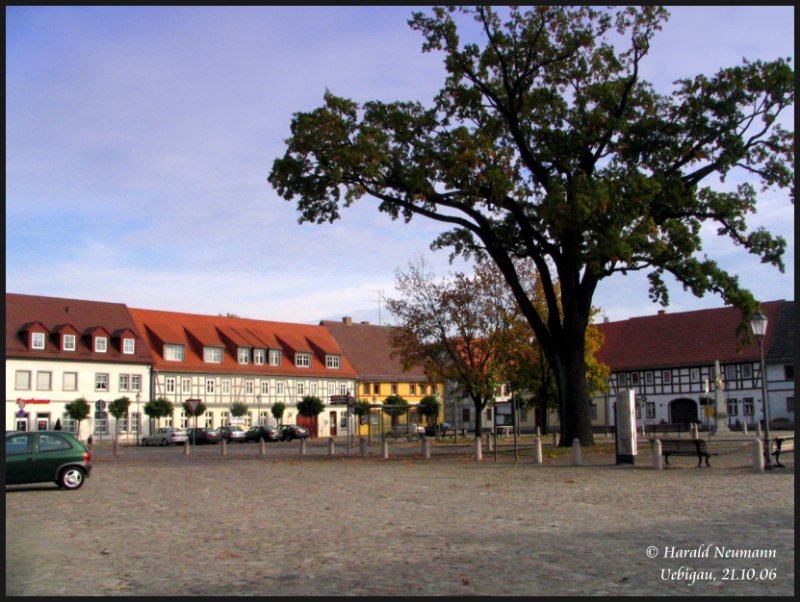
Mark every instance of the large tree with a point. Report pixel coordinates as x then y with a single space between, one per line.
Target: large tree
546 143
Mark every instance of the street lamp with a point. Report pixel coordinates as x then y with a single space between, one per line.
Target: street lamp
258 401
759 326
138 417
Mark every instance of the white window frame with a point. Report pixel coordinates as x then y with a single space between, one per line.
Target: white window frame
69 342
259 357
747 371
302 359
20 385
226 386
334 362
170 385
136 382
210 386
243 355
749 406
666 377
46 386
124 382
314 388
37 340
342 388
101 344
101 381
265 387
730 372
65 385
694 375
186 385
274 357
249 387
128 346
174 353
212 355
280 388
301 388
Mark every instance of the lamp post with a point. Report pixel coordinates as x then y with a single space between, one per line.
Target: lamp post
759 326
258 402
138 417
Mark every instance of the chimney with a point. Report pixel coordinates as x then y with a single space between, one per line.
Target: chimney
347 320
365 322
661 312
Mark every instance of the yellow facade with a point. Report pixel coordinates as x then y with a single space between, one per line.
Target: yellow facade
376 392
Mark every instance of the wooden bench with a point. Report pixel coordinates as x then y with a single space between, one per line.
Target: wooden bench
685 447
782 445
664 428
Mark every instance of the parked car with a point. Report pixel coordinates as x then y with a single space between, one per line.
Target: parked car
405 430
42 456
166 436
292 431
202 435
434 430
268 433
232 433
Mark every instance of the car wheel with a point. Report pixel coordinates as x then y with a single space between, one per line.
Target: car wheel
145 443
164 442
71 478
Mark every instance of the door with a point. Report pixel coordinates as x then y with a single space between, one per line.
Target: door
683 411
333 423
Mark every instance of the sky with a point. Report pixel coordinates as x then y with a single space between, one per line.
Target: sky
139 140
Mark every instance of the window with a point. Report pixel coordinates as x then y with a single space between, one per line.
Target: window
69 342
265 387
280 387
136 382
184 421
22 380
226 386
733 407
101 422
747 370
748 406
666 377
650 409
210 382
134 423
332 361
44 381
244 355
465 415
648 378
37 340
634 379
101 344
101 382
274 357
788 372
128 346
53 443
314 389
212 355
69 381
694 375
259 357
124 382
412 389
249 387
302 360
423 389
730 372
594 411
68 423
394 388
186 386
169 384
123 424
365 388
301 388
376 389
173 353
621 380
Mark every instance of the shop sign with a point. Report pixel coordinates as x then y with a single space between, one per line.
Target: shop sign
25 401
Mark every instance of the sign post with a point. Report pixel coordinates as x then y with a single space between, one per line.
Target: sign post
193 405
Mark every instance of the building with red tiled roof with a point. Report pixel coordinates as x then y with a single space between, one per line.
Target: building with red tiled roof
58 350
221 360
670 360
379 373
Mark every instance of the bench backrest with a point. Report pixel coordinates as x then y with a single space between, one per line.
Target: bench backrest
677 445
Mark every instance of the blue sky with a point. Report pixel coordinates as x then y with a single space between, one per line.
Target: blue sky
139 139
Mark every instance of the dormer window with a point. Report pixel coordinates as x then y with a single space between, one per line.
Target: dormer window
244 355
274 357
302 360
100 344
37 340
212 355
128 346
333 361
173 353
259 357
68 342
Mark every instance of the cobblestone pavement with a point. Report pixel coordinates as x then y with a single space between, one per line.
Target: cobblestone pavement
154 522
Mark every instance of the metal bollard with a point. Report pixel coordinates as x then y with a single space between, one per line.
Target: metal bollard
576 452
363 445
426 448
758 455
537 449
478 450
302 447
186 449
330 446
223 450
262 447
658 462
385 449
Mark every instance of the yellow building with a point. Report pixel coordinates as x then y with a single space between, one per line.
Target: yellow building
379 375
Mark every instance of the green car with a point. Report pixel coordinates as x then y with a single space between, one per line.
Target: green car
43 456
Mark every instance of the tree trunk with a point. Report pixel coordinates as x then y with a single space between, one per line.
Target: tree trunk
573 389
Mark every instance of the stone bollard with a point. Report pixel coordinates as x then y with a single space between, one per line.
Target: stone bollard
262 447
489 442
478 449
758 430
302 447
658 462
576 452
692 430
426 448
223 450
758 455
363 445
186 449
744 428
330 447
537 449
385 449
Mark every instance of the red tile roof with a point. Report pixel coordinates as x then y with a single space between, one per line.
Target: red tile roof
181 328
680 339
368 348
80 317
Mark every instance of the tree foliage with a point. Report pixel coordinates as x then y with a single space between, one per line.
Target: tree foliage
545 142
429 407
118 408
201 409
238 409
310 406
78 410
395 406
278 409
158 408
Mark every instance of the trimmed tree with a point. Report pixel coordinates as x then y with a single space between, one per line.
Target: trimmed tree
310 406
238 409
201 409
158 408
118 408
429 407
78 411
278 410
545 142
395 406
